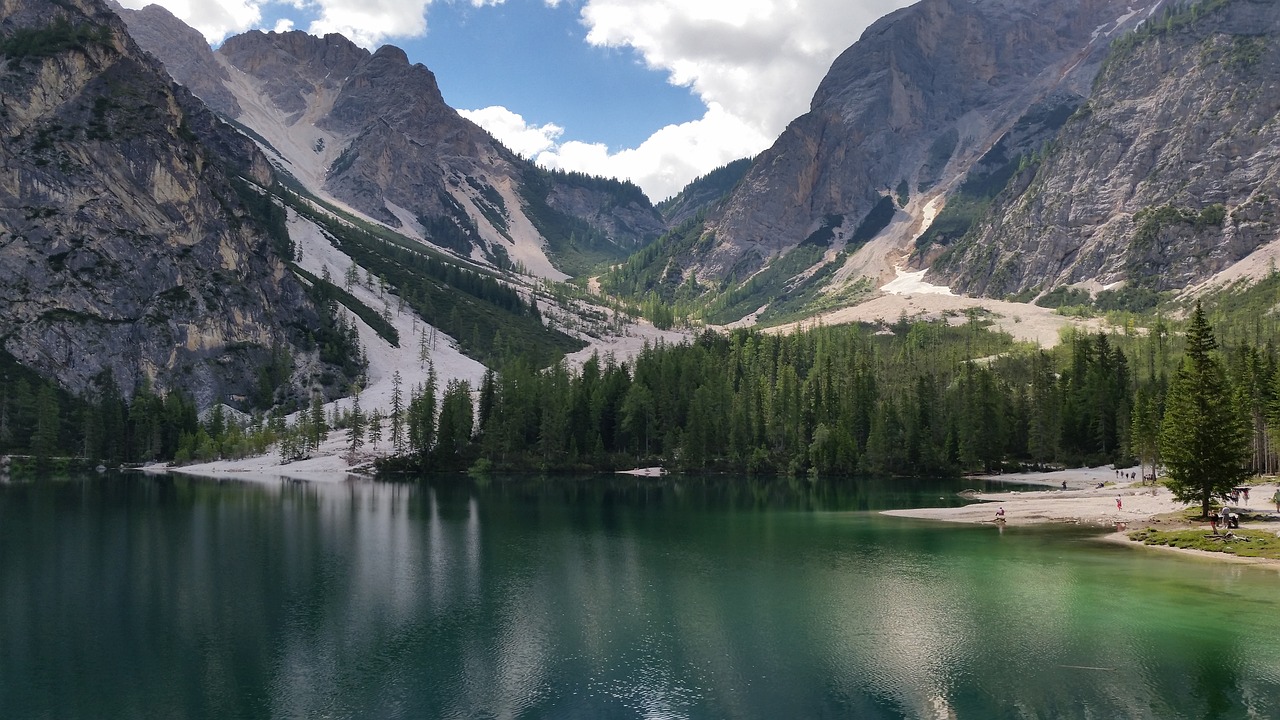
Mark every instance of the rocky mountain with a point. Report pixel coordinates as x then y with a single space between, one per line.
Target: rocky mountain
704 193
185 52
1167 174
919 98
923 97
135 247
372 130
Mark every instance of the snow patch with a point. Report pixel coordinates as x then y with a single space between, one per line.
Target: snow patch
912 283
318 253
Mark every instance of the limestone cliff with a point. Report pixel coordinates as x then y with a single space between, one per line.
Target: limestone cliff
126 240
185 54
919 98
1168 173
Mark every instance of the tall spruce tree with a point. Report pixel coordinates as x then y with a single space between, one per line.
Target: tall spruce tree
1203 440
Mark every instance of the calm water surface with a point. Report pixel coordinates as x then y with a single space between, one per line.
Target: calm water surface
134 597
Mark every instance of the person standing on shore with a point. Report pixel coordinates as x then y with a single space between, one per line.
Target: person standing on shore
1119 505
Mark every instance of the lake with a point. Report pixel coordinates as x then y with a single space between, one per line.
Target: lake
127 596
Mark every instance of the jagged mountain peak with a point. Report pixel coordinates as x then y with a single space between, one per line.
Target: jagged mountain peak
169 37
293 51
373 132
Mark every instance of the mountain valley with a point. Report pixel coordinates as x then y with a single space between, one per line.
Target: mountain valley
296 219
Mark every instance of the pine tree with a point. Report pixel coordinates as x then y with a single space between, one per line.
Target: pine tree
422 417
356 422
375 428
44 441
397 414
456 420
319 427
1145 428
1203 439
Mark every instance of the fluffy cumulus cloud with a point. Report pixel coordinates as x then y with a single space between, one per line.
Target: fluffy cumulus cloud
668 159
215 19
369 22
754 63
661 165
760 60
511 128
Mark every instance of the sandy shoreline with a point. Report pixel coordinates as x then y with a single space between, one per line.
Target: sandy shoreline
1084 503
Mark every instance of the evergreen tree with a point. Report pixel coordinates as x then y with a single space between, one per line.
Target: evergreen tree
422 417
322 425
356 422
1145 429
44 441
375 428
456 421
397 414
637 418
1203 440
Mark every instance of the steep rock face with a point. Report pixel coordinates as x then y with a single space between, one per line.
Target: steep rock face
125 245
185 53
292 67
1168 174
924 93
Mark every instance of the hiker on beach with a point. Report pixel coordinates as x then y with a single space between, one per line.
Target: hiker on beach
1000 514
1119 505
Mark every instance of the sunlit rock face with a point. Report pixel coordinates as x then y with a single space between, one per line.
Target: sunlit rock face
1165 176
906 111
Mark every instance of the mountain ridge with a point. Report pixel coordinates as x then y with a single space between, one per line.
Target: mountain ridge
924 96
380 138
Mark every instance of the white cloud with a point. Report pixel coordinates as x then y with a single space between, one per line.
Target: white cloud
366 22
514 132
761 60
283 25
369 22
754 63
214 19
661 165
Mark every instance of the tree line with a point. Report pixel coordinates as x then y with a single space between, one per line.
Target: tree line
918 399
914 398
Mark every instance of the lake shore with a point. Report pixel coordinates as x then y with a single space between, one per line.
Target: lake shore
1084 503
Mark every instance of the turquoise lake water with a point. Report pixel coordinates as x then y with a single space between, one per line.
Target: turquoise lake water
139 597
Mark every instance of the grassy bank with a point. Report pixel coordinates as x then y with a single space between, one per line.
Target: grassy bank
1243 543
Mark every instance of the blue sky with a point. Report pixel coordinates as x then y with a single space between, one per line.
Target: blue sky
655 91
486 56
